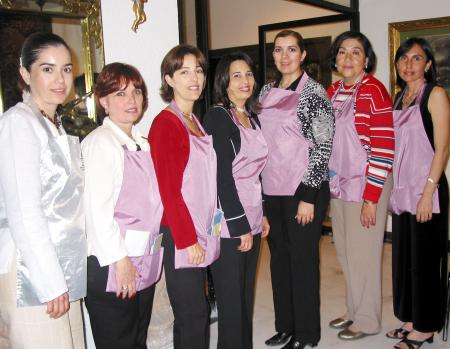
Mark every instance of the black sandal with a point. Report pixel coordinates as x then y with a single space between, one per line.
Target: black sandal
398 333
413 344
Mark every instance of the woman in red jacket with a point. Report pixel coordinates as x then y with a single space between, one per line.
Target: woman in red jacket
185 166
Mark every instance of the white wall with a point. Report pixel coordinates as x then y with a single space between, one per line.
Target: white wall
144 49
235 22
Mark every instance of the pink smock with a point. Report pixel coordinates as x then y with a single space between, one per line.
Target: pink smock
138 211
246 168
348 161
288 148
412 161
199 191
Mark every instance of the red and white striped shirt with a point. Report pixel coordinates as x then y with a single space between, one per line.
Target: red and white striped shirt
374 125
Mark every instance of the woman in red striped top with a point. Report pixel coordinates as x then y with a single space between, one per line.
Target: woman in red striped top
360 181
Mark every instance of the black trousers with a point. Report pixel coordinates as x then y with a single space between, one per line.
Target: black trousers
294 265
187 294
234 284
419 270
116 323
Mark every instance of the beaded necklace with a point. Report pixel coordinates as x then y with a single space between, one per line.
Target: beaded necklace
55 121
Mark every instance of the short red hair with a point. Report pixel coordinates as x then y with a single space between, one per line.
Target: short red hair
116 76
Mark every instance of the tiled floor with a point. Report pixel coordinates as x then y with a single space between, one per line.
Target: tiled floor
332 298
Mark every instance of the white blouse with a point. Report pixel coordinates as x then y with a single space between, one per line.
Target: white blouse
103 158
23 225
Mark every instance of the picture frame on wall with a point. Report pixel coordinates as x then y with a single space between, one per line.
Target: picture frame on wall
437 32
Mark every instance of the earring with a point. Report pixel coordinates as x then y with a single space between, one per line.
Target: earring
335 65
365 67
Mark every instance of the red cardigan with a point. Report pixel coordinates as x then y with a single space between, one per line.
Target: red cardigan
375 127
169 147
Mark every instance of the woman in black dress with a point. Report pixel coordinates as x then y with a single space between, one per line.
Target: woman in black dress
419 200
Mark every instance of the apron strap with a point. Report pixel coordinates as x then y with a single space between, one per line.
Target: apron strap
175 110
302 82
397 102
233 117
28 100
420 94
228 112
418 97
3 223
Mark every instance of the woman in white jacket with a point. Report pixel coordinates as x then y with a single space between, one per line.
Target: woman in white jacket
42 238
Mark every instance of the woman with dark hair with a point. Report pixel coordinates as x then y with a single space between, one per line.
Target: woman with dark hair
123 212
420 198
360 180
185 165
42 237
297 122
241 155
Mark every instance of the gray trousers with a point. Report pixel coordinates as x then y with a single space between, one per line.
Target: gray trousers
359 251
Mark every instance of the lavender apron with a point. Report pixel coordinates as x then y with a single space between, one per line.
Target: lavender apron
199 191
246 168
412 161
138 213
348 159
288 148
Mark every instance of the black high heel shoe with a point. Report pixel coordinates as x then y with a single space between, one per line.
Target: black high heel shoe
414 344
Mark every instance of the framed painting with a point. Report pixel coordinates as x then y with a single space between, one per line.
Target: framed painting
437 32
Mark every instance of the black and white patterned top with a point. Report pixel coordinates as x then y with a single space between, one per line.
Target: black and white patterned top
316 123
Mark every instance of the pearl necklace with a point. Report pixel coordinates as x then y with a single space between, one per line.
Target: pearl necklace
243 116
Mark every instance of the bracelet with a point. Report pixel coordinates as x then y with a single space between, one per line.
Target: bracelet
432 181
368 202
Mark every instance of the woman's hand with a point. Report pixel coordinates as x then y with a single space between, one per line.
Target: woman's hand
58 306
265 227
126 275
424 211
305 213
368 214
246 242
196 254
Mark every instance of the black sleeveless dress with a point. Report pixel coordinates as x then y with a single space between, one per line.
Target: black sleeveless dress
419 255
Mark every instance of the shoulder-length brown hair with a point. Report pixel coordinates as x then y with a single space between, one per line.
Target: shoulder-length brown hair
173 61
